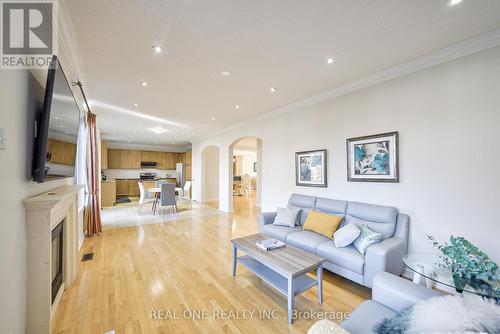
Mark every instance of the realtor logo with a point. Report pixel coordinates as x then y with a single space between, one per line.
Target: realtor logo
28 34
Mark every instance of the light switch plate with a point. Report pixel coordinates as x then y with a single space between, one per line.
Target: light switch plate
2 139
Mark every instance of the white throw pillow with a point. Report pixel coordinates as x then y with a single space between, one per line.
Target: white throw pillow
346 235
286 217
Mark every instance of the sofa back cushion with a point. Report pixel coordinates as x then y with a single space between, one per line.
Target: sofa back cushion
378 218
304 202
331 206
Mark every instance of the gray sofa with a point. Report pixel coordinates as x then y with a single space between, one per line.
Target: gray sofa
390 294
347 261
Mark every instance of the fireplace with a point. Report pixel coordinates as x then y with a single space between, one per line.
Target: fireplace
57 259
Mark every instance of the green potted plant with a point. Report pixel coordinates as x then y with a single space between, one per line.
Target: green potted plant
469 266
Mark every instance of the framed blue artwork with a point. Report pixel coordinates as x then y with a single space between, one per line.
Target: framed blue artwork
373 158
311 168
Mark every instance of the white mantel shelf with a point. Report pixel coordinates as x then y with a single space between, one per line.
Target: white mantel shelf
44 212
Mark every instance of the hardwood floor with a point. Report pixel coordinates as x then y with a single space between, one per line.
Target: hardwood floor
175 276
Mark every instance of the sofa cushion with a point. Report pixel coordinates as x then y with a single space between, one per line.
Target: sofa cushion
304 202
378 218
346 257
367 315
306 240
279 232
331 206
286 217
322 223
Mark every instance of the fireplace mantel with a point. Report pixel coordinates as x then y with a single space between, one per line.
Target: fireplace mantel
43 213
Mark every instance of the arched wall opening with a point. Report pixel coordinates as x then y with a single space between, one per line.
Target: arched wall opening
245 163
210 175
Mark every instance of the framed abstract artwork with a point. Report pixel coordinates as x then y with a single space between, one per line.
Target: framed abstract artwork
373 158
311 168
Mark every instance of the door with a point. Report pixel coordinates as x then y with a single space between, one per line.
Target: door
135 159
114 159
124 159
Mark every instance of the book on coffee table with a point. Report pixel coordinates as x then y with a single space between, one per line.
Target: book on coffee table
269 244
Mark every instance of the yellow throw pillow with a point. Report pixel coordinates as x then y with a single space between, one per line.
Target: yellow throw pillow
322 223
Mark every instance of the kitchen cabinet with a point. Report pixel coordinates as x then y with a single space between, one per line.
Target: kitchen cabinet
149 184
108 191
114 159
122 187
59 152
124 159
145 156
135 159
104 155
133 187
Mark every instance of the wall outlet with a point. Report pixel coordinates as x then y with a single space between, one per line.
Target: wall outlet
2 139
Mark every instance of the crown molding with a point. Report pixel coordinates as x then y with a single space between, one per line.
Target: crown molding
69 52
444 55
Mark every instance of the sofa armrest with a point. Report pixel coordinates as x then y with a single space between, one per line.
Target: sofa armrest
384 256
266 218
397 293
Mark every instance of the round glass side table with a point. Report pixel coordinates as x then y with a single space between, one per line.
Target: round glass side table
426 268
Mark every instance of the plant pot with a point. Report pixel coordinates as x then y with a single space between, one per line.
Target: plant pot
459 283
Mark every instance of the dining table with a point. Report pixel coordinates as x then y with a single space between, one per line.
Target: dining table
156 191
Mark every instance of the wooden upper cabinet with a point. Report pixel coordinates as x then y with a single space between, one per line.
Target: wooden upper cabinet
104 155
145 156
59 152
135 159
114 159
124 159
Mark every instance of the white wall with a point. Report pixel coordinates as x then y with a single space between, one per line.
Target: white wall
210 174
447 117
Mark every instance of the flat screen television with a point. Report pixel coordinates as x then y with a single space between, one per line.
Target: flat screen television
56 129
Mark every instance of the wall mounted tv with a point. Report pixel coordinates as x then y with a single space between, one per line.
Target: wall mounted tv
56 129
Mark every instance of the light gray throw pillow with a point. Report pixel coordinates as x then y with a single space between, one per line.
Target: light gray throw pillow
286 217
366 239
346 235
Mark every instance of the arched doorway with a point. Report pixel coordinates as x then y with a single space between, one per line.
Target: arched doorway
210 176
245 176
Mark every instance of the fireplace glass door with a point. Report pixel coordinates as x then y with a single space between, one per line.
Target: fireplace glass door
57 257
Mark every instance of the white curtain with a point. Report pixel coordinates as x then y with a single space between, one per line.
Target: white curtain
81 161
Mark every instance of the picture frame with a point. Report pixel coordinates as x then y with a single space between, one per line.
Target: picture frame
373 158
311 168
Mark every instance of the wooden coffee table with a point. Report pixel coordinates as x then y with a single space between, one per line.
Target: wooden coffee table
285 269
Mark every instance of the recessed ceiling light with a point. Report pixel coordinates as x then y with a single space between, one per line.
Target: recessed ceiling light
115 124
136 104
158 130
61 126
56 117
454 2
141 122
212 118
135 130
329 61
144 83
237 106
225 73
67 132
157 49
273 89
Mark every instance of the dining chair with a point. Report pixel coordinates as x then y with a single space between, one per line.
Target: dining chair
167 196
144 196
246 181
186 194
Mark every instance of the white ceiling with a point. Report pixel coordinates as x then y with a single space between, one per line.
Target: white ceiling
262 43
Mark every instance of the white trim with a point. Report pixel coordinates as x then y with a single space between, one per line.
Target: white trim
444 55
